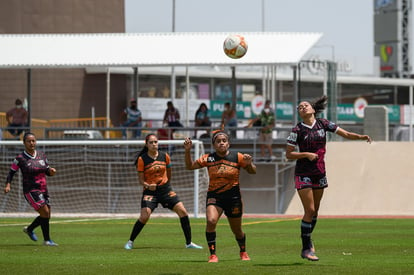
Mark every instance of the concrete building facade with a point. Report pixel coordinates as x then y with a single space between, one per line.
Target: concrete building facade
62 93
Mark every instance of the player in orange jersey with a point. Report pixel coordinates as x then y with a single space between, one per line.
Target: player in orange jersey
223 191
154 174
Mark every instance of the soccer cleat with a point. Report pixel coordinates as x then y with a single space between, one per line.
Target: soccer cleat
244 256
193 245
129 245
31 234
312 247
50 243
213 258
308 254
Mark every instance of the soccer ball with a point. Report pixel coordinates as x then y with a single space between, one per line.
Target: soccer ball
235 46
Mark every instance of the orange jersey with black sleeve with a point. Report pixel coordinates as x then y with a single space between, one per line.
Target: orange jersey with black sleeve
155 170
223 171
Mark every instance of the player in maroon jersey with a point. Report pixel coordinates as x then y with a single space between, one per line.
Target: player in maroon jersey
310 176
34 167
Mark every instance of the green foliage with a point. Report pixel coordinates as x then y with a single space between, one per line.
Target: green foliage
95 246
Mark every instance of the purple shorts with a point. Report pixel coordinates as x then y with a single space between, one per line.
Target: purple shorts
314 182
37 199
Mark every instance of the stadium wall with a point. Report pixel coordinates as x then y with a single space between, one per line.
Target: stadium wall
366 179
58 93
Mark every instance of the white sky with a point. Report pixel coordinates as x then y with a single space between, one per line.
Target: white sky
347 26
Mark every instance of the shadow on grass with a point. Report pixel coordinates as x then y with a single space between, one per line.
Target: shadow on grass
281 264
22 245
246 262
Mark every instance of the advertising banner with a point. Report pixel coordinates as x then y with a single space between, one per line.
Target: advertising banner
154 109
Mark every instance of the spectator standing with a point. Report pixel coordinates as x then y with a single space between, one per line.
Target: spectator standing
131 117
267 123
16 119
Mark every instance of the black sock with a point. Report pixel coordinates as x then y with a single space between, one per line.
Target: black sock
242 243
306 229
44 224
136 230
314 221
35 223
211 241
185 225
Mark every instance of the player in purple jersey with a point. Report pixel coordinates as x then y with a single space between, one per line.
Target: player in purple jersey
34 167
310 177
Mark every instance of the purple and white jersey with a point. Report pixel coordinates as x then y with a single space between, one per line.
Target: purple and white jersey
311 139
33 169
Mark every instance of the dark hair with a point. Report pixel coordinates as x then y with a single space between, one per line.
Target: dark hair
201 105
143 150
18 102
319 104
216 133
199 108
27 134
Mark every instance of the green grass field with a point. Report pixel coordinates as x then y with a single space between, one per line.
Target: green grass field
95 246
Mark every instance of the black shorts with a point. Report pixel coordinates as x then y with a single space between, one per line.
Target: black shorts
229 201
314 182
164 195
37 199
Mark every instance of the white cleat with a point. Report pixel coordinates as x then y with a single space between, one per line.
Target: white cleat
129 245
50 243
193 245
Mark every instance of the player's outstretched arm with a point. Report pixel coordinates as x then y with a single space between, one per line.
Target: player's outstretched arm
354 136
250 167
189 163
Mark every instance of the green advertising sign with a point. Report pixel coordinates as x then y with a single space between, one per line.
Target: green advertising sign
284 111
243 109
346 112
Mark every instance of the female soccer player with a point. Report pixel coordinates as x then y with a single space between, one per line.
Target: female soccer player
154 174
34 167
310 176
223 191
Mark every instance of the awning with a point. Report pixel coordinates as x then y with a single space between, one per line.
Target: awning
148 49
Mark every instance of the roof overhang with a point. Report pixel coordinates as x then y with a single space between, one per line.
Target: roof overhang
225 72
148 49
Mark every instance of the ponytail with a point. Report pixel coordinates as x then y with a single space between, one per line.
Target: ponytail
143 150
320 104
